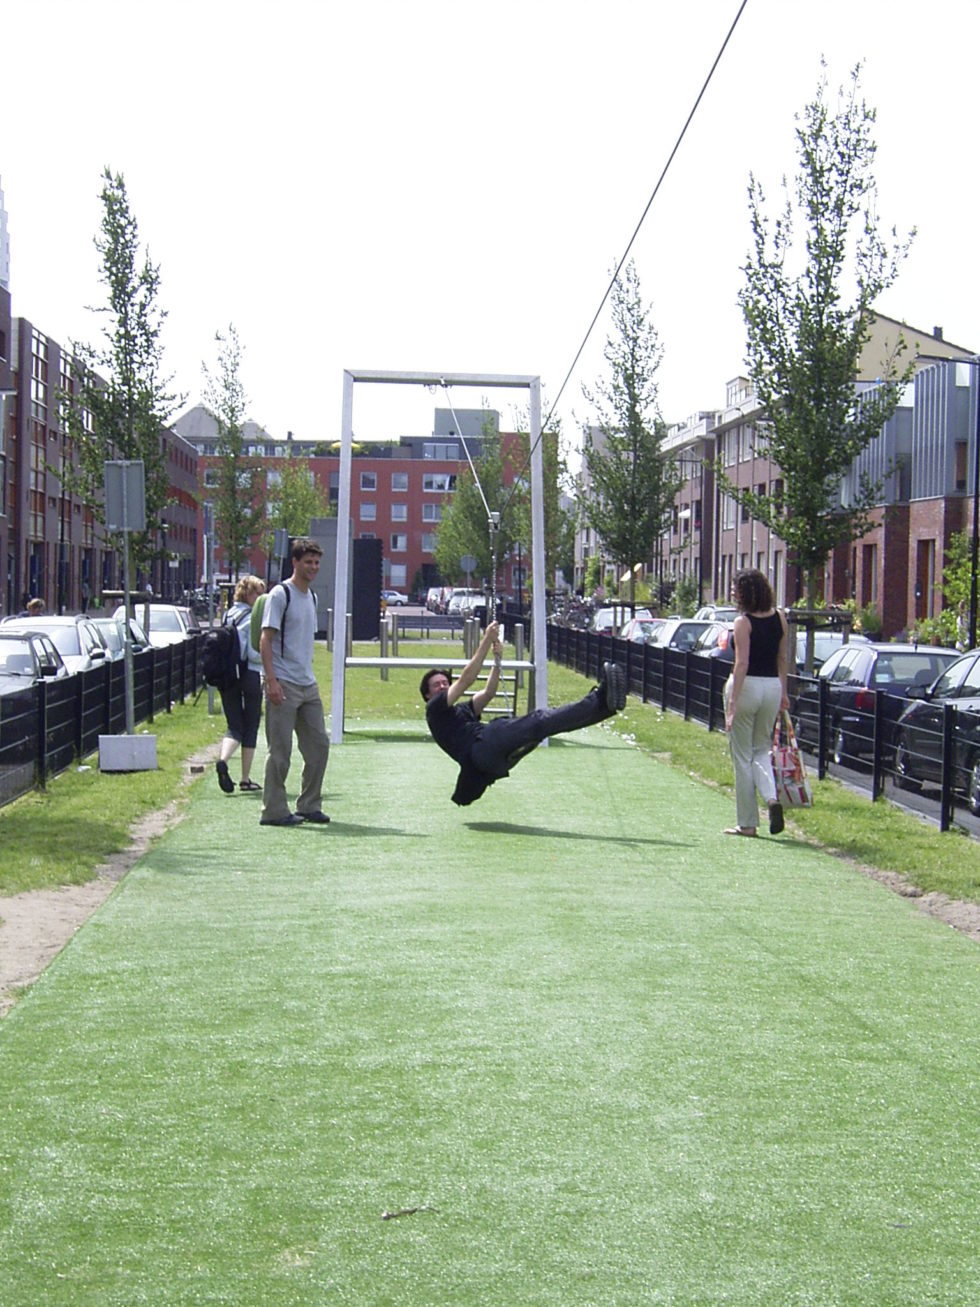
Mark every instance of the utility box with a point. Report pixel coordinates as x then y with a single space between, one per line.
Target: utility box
127 753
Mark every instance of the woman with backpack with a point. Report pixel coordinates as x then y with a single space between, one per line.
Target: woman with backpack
241 699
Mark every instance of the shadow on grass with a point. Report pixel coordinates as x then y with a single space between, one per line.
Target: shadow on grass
546 832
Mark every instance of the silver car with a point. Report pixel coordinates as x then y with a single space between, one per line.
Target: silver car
77 639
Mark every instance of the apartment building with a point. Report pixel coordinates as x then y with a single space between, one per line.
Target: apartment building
398 488
54 548
924 458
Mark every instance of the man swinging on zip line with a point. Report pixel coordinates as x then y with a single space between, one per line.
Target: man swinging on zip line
486 751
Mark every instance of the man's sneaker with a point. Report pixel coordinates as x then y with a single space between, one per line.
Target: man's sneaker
614 683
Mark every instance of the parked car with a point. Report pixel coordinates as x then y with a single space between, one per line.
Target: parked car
919 742
824 644
462 599
394 598
639 630
854 674
679 633
168 623
609 619
432 598
26 657
113 633
76 638
717 641
716 613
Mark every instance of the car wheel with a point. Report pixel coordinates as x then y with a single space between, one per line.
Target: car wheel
903 769
973 789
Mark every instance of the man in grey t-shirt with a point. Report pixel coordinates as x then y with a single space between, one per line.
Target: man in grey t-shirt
292 694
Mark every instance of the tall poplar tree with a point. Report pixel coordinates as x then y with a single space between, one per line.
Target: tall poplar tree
807 329
239 508
119 402
633 480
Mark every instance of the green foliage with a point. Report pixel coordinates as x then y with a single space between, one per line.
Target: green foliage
593 574
295 498
806 335
560 524
685 597
464 528
239 510
633 481
117 403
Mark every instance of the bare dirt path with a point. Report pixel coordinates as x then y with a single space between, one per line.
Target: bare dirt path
36 925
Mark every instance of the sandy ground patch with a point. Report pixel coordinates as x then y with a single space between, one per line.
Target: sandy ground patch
36 925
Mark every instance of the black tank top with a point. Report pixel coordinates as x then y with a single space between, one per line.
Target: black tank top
764 640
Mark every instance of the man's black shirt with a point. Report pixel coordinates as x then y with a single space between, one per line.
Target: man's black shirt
456 729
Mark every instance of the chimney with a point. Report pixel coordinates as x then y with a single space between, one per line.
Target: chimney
937 333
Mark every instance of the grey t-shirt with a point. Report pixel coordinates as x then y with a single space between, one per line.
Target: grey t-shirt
292 656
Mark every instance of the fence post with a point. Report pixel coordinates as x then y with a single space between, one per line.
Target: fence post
383 632
878 749
823 713
947 794
41 690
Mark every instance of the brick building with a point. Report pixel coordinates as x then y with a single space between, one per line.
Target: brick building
52 545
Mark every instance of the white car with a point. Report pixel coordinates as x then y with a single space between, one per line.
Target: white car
167 624
76 638
394 598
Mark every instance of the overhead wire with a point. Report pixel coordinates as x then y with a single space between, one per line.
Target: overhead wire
619 265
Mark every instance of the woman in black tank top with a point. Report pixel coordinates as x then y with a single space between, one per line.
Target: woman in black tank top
754 695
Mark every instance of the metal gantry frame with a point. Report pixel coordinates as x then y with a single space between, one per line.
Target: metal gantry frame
476 380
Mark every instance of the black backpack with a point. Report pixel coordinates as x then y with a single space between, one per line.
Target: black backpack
221 656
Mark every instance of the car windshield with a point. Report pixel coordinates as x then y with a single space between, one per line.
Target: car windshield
66 640
15 658
164 619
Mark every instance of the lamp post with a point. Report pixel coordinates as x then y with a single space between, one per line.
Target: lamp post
164 562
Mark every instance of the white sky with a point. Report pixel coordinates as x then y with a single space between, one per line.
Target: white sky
433 186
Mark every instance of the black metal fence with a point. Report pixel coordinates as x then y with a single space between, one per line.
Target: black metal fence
936 773
46 726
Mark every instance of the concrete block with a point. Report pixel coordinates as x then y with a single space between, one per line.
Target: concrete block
127 753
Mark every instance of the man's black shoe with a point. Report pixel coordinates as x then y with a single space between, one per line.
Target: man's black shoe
614 682
318 818
294 819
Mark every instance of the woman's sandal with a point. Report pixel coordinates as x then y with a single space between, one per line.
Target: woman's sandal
248 785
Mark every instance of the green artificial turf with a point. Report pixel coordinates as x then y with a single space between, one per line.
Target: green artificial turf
609 1055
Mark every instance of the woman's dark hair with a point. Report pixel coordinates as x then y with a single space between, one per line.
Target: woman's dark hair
753 593
433 671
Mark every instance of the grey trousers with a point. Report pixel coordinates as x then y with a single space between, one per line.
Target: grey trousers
301 711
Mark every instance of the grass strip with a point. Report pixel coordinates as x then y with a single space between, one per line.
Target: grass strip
607 1055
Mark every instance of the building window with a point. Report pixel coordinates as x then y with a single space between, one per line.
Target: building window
448 453
399 512
369 480
440 483
432 512
399 543
368 512
366 535
397 576
428 542
961 465
399 480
